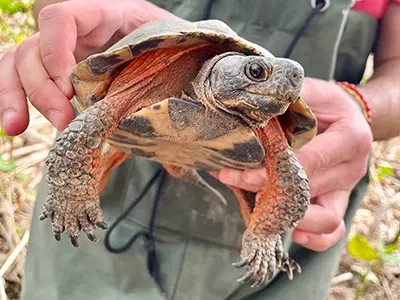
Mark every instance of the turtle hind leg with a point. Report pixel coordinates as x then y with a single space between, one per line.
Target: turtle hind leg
277 209
192 176
74 172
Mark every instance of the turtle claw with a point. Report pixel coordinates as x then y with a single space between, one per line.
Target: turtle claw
290 266
92 237
241 263
74 241
102 225
258 257
57 236
72 217
260 281
246 277
261 255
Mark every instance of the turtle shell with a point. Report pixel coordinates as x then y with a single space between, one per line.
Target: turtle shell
92 77
178 131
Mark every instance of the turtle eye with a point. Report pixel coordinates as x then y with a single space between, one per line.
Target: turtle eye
256 72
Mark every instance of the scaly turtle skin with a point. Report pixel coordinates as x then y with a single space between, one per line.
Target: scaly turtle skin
193 96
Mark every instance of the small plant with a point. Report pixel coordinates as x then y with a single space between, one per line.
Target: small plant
375 257
383 171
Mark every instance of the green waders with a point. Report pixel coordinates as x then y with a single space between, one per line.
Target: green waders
196 237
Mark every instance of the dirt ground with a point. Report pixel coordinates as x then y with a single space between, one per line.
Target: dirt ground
21 163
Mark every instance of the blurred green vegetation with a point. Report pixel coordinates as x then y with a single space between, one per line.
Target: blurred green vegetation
16 22
12 6
374 256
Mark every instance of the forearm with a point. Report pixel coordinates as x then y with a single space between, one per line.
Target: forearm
382 92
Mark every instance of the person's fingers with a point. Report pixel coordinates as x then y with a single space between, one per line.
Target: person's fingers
74 27
57 45
14 115
249 180
337 144
40 89
343 176
325 213
319 242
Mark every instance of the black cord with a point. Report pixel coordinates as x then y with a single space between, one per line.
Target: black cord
207 10
148 236
120 218
150 246
313 12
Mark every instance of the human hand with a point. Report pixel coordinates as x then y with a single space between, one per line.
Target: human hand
39 68
335 160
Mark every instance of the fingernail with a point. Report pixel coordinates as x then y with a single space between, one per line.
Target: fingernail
7 117
229 177
215 174
54 116
301 238
65 86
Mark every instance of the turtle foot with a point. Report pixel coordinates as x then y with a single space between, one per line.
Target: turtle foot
289 265
72 217
259 257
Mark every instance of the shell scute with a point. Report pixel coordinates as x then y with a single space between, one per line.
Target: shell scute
174 140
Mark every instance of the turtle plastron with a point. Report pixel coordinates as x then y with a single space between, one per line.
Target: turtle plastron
280 207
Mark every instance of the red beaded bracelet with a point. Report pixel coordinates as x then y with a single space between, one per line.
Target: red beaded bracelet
359 97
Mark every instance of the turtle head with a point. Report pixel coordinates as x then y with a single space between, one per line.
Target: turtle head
256 88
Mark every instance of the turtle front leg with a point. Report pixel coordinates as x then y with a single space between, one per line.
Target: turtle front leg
280 207
74 172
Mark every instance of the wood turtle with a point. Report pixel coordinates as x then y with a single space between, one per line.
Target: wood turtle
192 96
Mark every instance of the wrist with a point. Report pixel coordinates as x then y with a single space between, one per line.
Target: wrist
358 96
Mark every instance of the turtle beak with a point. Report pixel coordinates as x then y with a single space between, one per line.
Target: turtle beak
294 75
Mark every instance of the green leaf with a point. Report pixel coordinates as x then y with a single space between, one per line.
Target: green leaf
392 258
20 38
5 5
6 166
20 231
2 133
383 172
388 249
359 247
